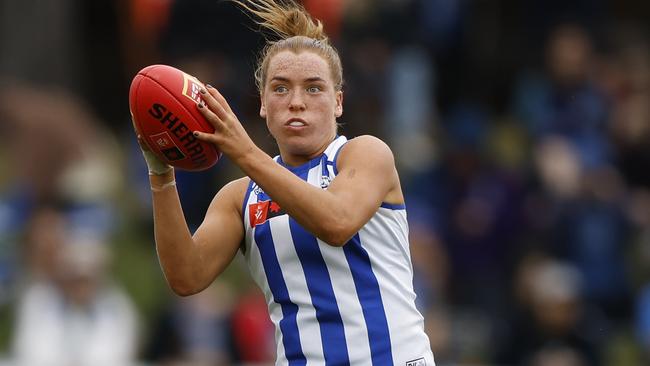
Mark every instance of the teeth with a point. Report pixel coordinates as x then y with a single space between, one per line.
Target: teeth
296 124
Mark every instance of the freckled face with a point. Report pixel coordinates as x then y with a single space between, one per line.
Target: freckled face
300 104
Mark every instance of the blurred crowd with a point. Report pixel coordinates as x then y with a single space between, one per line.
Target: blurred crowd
521 130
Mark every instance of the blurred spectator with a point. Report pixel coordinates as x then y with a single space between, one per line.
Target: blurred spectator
194 330
410 115
564 99
585 218
554 323
70 312
54 151
643 321
57 150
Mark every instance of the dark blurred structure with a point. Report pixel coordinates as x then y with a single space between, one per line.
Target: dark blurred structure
521 130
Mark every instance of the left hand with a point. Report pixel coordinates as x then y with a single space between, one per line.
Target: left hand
229 135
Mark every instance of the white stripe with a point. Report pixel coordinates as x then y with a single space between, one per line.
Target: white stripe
294 277
331 150
254 259
354 325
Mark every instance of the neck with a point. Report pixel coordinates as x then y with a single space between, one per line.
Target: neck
293 159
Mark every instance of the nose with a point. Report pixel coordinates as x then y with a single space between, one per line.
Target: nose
297 101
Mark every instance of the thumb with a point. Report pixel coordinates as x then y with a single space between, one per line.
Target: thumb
143 145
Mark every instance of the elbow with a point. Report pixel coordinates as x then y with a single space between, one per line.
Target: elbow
184 291
184 288
337 233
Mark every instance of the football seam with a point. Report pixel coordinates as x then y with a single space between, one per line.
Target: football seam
136 117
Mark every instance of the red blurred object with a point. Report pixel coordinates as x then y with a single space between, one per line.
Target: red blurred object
253 331
163 103
330 12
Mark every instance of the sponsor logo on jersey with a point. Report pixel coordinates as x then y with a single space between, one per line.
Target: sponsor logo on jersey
419 362
259 212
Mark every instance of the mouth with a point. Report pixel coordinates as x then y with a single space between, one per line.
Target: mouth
296 122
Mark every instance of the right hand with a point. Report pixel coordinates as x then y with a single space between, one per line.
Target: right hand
155 165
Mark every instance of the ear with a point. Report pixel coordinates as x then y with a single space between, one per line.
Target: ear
338 110
262 107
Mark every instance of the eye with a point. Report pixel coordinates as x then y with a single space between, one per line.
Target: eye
280 89
314 89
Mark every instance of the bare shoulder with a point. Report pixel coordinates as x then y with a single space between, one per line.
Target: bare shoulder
238 185
232 194
368 149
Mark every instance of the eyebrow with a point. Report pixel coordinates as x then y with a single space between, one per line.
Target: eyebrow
286 80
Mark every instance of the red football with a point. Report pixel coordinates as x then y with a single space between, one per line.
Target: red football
163 103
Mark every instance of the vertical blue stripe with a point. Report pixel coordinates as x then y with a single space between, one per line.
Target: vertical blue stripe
321 291
335 348
288 324
367 287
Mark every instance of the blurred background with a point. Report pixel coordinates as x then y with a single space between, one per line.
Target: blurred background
521 130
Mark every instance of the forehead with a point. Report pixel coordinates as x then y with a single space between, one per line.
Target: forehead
298 66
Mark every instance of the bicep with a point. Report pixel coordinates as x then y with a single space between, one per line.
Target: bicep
221 232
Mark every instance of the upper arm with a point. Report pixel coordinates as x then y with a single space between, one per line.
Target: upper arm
221 232
366 178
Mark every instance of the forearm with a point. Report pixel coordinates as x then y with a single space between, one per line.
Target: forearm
178 255
318 211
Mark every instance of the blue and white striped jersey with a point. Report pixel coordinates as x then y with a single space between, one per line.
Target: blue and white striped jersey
350 305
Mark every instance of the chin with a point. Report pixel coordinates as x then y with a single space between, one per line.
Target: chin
298 146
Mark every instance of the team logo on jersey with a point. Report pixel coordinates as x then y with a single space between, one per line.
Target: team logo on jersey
419 362
325 181
259 212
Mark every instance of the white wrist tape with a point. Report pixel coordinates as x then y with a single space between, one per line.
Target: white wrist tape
162 187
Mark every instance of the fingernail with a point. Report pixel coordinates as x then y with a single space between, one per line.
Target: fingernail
200 105
196 134
208 86
202 91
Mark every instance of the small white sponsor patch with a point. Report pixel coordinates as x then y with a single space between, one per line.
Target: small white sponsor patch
419 362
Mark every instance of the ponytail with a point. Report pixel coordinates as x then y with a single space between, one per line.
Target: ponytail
297 31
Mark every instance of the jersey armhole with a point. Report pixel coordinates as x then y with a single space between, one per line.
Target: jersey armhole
242 245
336 158
245 201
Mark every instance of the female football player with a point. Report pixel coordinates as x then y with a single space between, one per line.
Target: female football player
322 226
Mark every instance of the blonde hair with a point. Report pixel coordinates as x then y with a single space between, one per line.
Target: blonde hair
297 32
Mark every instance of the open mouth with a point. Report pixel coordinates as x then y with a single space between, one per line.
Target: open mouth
296 122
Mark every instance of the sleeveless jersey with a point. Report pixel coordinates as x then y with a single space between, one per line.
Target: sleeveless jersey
350 305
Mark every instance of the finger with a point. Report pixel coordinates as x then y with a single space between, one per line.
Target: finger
211 117
217 95
207 137
213 104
